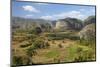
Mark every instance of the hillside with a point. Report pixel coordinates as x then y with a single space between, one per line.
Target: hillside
89 20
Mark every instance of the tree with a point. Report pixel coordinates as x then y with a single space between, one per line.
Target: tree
38 43
35 30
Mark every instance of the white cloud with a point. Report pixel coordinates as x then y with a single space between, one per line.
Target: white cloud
30 9
72 14
29 15
76 14
47 17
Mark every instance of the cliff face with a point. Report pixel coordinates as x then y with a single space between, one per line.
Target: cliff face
89 20
61 25
47 25
69 24
89 30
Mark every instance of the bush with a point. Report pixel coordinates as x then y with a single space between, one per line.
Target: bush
53 41
47 45
87 43
23 46
38 44
21 60
87 55
31 51
60 46
36 30
31 36
63 41
17 60
79 49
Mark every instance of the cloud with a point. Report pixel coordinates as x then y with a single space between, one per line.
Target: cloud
47 17
30 9
72 14
29 15
76 14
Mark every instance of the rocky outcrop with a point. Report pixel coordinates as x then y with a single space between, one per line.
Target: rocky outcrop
69 24
61 25
88 32
89 20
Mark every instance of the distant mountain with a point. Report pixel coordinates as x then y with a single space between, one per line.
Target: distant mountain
88 32
89 20
23 23
69 24
49 25
89 29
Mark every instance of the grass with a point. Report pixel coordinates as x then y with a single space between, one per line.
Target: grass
52 54
77 50
71 52
61 35
67 53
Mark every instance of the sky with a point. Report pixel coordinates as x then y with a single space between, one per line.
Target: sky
50 11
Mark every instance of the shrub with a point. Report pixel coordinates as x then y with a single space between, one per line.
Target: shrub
31 51
86 55
53 41
79 49
60 46
23 46
21 60
47 45
87 42
63 41
36 30
17 60
38 44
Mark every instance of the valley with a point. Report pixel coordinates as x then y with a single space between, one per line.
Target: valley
42 42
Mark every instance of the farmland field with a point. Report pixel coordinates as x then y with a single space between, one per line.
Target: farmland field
58 51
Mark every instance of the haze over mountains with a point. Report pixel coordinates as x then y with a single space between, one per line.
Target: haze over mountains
59 25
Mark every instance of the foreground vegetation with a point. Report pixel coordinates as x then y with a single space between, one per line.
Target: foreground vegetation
35 46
